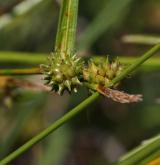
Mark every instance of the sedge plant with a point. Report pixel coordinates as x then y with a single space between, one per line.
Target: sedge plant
65 71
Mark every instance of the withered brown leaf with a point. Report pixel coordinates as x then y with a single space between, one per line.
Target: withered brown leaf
119 96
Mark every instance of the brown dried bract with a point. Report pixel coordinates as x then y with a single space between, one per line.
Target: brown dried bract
119 96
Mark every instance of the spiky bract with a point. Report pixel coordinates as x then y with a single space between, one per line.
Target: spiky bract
63 72
101 72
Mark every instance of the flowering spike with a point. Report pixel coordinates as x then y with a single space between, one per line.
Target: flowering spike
102 72
64 73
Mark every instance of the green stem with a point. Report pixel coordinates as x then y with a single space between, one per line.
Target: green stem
28 71
141 152
65 39
22 58
50 129
76 110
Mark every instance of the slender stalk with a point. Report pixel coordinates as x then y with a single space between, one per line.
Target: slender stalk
28 71
67 117
141 152
50 129
22 58
65 39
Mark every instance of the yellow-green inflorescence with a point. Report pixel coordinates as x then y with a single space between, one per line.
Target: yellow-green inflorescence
63 72
67 72
101 72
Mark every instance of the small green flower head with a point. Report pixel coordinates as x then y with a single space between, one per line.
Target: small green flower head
101 72
63 72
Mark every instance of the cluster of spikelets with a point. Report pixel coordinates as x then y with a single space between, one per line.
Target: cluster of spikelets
101 72
67 72
63 72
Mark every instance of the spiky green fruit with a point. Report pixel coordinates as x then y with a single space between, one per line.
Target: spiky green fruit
63 72
101 72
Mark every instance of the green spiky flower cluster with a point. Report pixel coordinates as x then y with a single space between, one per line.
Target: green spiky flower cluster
63 72
101 72
66 72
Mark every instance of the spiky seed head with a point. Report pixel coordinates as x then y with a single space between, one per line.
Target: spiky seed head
101 72
63 72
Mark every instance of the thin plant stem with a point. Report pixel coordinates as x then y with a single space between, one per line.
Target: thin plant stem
65 38
27 71
22 58
72 113
50 129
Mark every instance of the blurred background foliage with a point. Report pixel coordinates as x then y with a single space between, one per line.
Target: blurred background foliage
106 130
